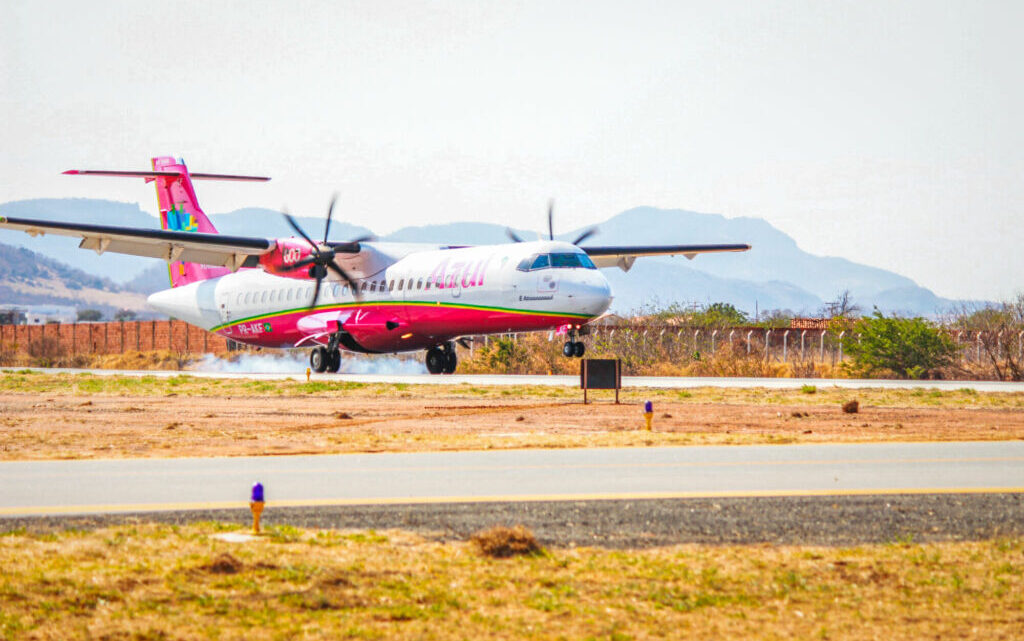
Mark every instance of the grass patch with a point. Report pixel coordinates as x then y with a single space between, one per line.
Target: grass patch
163 581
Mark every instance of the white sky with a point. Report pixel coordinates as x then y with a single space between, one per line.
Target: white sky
885 132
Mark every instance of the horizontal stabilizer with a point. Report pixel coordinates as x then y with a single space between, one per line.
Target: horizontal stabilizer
157 174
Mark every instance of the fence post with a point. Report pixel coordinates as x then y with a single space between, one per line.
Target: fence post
803 334
959 347
841 334
821 352
696 333
730 339
748 341
978 348
122 336
1020 350
713 334
767 342
785 344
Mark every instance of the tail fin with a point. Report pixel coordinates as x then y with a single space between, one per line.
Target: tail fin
179 209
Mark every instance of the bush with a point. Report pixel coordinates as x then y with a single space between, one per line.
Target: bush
504 542
905 347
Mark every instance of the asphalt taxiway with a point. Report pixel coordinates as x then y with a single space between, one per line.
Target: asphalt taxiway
134 485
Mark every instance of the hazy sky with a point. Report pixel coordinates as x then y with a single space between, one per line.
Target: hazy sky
884 132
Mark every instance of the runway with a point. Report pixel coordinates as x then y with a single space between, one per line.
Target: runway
666 382
153 485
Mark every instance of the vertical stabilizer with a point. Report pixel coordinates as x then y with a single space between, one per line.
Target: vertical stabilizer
180 211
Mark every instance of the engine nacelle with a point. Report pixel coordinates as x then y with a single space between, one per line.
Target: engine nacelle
287 252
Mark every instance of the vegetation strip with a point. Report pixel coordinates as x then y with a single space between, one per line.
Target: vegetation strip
158 581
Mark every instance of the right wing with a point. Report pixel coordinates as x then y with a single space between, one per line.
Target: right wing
192 247
623 256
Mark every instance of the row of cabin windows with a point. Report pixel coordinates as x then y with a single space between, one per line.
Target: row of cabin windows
301 293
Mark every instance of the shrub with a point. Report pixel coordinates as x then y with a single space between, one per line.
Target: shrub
504 542
905 347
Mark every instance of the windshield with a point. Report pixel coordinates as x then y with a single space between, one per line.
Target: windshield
562 260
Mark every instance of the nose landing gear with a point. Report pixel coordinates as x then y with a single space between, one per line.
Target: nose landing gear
573 347
441 359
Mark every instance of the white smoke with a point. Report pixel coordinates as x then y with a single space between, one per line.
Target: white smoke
296 362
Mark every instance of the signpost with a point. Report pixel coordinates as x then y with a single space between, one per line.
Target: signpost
600 373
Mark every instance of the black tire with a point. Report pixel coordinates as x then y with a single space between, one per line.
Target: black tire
579 349
451 361
436 360
568 350
334 361
318 360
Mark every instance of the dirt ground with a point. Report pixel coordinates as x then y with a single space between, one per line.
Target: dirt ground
52 425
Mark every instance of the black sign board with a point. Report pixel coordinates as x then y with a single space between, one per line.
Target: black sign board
600 373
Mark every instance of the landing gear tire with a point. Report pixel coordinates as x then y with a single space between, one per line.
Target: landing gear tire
451 361
437 360
318 360
333 361
579 349
569 349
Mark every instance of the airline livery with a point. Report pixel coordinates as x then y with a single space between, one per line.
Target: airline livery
358 295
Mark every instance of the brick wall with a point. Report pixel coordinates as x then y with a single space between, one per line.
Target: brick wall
117 337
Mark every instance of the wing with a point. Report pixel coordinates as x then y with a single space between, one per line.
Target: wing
192 247
623 256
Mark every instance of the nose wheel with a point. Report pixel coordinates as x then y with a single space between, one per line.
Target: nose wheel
441 359
573 348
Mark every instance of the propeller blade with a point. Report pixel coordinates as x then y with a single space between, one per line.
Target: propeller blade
299 265
316 292
330 213
369 238
351 281
298 230
551 219
464 342
514 236
585 235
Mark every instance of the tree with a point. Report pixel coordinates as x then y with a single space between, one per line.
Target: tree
719 315
842 307
907 347
89 315
124 315
999 330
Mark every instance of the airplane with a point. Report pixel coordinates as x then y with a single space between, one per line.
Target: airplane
359 295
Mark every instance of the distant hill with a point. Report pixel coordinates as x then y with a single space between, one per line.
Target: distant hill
28 278
775 274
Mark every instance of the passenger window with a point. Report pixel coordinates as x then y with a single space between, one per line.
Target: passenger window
373 286
401 281
263 296
344 290
363 288
419 283
248 298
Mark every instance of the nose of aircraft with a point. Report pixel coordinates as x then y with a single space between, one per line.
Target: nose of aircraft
589 292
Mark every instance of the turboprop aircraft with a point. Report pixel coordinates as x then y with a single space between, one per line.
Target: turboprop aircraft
359 295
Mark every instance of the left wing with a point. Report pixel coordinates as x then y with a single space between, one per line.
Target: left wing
623 256
192 247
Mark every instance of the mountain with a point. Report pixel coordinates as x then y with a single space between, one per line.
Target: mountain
775 274
28 278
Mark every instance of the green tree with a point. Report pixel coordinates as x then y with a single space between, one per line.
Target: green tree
907 347
719 315
89 315
124 315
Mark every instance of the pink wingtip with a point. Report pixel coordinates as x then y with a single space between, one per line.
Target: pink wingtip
71 172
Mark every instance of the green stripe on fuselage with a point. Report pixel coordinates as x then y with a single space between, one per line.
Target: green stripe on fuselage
392 303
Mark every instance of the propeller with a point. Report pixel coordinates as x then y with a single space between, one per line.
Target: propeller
322 257
587 233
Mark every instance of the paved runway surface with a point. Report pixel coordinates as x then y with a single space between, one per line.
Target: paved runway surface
574 381
106 486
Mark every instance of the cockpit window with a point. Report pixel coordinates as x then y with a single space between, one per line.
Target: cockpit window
566 260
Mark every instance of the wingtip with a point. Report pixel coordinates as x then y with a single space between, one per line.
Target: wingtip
71 172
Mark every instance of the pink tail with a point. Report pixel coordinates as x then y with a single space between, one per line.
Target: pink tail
180 211
179 208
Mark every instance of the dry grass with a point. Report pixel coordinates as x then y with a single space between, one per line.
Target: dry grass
161 582
502 542
48 416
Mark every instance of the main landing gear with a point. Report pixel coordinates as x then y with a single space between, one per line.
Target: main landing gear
326 359
573 347
441 359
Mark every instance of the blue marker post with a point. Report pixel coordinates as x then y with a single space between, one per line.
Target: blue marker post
256 505
648 413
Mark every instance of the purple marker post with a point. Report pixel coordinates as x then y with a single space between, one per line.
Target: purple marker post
256 505
648 413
